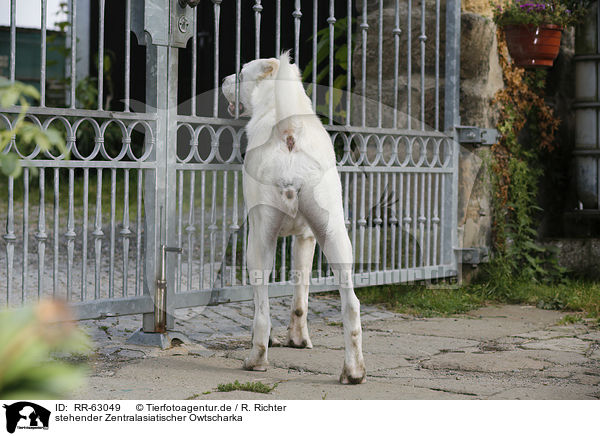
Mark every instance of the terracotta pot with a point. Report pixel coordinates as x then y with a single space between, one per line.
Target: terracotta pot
533 46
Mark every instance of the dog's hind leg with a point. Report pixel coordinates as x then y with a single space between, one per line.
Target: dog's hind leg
330 230
264 224
297 335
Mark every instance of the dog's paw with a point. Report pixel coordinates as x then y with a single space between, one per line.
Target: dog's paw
250 365
354 376
298 343
274 342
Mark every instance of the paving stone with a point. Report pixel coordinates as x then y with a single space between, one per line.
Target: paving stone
591 336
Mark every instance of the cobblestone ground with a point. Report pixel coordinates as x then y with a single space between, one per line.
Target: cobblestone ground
507 352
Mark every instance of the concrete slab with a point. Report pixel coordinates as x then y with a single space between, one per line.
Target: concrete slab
559 344
502 361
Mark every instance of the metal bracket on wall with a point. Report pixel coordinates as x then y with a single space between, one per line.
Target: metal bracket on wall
472 255
476 136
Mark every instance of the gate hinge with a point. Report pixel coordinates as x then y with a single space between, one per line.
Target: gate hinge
472 255
476 135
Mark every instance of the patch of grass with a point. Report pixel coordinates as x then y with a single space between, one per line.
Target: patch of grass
570 319
257 387
420 300
104 328
335 323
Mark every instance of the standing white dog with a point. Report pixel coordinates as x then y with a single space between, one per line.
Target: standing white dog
292 187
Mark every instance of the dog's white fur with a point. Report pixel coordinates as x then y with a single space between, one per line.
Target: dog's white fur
292 187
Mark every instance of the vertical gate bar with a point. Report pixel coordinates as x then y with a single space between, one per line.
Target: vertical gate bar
393 223
25 233
415 218
257 8
202 225
55 235
428 255
314 53
138 234
234 227
101 5
283 260
194 64
273 271
213 226
217 11
409 66
98 234
364 28
348 61
73 79
41 235
380 67
238 45
377 222
385 219
320 263
362 221
297 14
331 21
452 200
127 56
396 32
13 38
44 11
443 213
452 75
436 219
277 27
292 243
224 229
70 234
407 222
191 231
113 212
125 231
423 40
370 223
422 219
400 217
84 232
437 65
10 239
244 244
180 177
354 219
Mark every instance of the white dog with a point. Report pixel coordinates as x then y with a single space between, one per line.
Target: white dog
292 187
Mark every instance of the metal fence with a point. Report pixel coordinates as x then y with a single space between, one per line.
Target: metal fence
88 229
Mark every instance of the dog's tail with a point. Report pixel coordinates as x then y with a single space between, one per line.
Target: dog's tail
291 100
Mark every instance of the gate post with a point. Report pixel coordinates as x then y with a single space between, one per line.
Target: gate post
152 21
451 121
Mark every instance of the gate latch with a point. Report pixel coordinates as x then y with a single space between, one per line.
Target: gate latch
476 136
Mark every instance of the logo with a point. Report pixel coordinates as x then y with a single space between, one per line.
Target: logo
26 415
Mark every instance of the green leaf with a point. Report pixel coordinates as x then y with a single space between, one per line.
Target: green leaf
9 97
11 167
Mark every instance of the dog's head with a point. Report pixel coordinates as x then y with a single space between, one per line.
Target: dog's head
254 79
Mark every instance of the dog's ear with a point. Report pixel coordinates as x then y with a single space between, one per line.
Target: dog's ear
270 68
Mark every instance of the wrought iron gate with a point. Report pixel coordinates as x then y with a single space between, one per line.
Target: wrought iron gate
169 172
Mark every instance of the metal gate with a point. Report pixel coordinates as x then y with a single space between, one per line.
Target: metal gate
89 229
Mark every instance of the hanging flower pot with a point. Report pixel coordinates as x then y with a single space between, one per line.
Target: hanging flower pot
533 46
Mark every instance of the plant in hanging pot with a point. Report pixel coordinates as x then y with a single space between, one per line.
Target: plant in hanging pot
533 29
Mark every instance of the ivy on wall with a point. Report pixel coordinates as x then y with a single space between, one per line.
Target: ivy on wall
527 127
